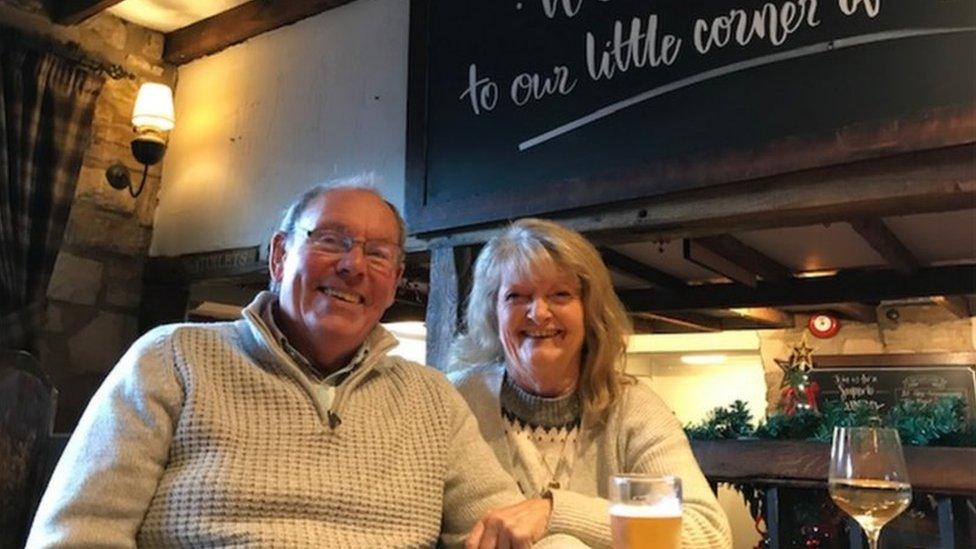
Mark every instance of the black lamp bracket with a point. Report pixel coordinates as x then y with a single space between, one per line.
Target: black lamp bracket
148 148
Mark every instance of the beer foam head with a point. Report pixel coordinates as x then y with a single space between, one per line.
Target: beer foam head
662 509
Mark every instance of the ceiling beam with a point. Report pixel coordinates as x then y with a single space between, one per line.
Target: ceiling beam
627 265
703 256
642 325
72 12
735 252
236 25
685 321
859 312
766 316
847 286
879 236
920 182
955 304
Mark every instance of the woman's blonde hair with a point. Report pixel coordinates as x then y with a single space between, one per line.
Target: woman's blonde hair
528 246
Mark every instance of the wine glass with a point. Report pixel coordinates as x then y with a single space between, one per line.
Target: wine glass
868 478
645 512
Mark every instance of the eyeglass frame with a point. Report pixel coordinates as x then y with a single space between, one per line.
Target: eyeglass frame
348 242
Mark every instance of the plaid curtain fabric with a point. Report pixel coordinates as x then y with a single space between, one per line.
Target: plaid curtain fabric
46 109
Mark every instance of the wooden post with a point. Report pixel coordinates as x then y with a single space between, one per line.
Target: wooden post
772 516
450 276
947 533
964 519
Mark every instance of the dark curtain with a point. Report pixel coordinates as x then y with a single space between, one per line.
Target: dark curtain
46 109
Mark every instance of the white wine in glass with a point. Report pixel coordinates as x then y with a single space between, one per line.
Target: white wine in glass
868 478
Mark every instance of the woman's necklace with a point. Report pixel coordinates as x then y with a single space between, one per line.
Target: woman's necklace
542 436
561 462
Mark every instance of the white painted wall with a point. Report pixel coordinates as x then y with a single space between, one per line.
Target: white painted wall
260 122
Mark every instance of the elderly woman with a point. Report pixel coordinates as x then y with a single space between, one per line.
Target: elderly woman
542 359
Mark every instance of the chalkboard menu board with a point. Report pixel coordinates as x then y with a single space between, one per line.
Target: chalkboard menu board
520 107
889 386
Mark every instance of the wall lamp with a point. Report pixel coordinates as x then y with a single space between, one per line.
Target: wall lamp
152 117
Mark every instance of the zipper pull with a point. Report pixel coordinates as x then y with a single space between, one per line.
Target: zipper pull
334 420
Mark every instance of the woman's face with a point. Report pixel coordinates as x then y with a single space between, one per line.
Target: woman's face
540 324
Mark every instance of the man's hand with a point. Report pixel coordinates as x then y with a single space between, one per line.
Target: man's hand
517 526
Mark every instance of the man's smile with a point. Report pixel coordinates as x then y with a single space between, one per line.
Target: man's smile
348 297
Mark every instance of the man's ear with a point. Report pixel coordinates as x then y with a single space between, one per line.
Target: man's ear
399 275
276 256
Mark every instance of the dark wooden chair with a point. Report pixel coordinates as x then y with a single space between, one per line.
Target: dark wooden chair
27 405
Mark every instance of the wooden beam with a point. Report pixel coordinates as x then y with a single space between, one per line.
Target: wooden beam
860 312
237 25
642 325
746 256
955 304
921 182
232 262
895 360
847 286
627 265
766 316
932 469
72 12
771 517
450 281
702 254
879 236
442 306
690 322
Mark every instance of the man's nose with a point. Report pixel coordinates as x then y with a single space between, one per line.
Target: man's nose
352 263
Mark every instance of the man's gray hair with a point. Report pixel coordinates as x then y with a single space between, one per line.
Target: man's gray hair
366 182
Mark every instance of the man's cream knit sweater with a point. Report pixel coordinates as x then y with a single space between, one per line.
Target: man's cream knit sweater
203 435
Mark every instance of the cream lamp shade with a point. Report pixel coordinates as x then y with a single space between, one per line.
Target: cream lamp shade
154 108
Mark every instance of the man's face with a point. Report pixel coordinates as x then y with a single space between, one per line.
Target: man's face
335 299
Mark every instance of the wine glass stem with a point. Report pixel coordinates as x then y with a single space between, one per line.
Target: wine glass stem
873 538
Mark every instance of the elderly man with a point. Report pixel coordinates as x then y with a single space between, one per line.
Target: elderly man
291 426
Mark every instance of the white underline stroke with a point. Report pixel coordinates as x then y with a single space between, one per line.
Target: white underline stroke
814 49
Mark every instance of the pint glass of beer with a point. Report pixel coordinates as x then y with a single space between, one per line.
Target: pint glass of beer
645 512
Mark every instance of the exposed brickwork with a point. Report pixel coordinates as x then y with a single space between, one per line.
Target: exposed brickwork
95 293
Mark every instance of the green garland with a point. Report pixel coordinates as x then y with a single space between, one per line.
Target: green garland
939 423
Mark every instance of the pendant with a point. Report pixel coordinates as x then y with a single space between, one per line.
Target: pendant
553 485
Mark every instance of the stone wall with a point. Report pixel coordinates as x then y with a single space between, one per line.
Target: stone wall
916 329
94 294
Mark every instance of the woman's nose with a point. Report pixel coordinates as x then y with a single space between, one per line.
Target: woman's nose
539 310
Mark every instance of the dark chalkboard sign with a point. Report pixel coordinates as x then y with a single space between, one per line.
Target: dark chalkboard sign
889 386
520 107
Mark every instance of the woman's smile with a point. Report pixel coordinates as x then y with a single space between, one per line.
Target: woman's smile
541 328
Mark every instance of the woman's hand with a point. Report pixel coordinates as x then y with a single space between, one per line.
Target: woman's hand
517 526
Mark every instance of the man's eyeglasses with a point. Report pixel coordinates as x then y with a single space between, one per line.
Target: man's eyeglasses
381 255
